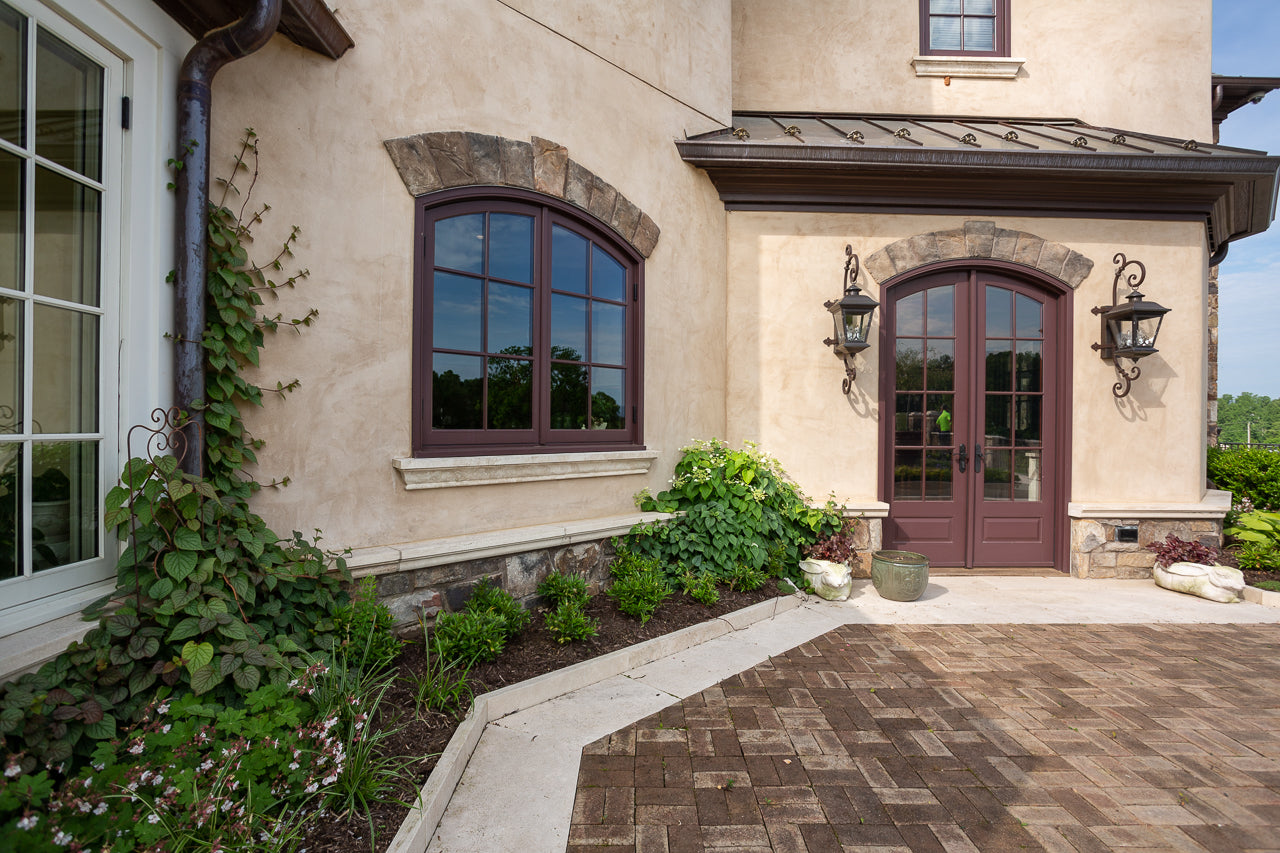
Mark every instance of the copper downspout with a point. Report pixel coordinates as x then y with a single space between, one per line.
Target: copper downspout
218 48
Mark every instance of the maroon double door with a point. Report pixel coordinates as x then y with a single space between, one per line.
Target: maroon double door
973 419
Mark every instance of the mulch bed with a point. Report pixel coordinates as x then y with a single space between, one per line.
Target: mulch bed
533 653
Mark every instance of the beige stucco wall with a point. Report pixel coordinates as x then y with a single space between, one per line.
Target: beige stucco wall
455 65
1139 65
784 384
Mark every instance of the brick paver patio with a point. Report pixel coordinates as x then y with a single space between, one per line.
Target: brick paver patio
958 738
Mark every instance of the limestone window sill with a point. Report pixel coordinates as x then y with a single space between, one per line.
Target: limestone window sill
981 67
444 473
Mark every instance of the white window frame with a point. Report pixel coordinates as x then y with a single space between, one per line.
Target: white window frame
139 47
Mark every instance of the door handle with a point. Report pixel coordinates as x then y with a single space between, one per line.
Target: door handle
963 458
977 458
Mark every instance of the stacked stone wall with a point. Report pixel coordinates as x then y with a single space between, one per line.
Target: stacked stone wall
447 587
1096 553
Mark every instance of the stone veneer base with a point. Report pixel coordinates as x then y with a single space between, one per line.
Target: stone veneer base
420 824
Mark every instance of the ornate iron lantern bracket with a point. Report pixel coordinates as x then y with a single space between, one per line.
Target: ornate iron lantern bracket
852 318
1129 329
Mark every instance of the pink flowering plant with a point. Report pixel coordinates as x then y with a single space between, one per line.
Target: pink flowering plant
197 776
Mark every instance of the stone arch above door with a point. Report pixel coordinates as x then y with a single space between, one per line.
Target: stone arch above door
435 161
977 241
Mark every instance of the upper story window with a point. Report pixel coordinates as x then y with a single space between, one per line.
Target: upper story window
526 328
964 27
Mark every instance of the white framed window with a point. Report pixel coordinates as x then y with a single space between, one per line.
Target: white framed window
75 208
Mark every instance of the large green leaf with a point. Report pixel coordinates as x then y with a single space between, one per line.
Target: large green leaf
188 627
187 539
196 655
205 679
247 678
104 729
179 564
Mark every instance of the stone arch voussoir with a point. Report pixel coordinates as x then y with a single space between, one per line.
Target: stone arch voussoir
978 241
435 161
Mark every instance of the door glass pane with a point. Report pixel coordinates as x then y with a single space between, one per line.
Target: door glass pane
1030 366
997 479
66 243
910 365
460 243
68 106
457 389
908 474
13 77
510 319
12 524
568 396
64 511
608 332
944 33
1027 425
944 7
10 366
910 315
937 475
568 260
999 430
568 327
511 246
65 387
999 365
942 365
1027 478
456 322
510 394
1030 315
942 311
608 277
10 221
980 7
608 398
979 34
938 420
999 312
909 420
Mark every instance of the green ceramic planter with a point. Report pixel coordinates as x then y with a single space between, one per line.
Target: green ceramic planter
899 575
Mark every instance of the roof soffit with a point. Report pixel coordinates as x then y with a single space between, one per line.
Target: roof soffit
307 23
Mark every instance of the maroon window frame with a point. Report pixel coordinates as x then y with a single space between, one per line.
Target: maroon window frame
549 217
1000 15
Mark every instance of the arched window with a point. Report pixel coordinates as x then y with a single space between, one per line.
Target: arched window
526 327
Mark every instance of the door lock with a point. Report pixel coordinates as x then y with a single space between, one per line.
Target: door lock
963 458
977 458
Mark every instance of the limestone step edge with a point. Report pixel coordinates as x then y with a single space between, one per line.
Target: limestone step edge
420 824
1265 597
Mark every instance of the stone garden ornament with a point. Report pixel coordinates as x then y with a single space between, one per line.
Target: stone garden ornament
1216 583
829 580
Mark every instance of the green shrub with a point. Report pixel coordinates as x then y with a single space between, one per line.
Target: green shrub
1259 556
558 588
470 636
746 579
568 622
487 598
700 587
1251 475
738 507
363 628
639 586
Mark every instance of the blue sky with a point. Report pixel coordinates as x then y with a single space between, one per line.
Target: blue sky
1246 42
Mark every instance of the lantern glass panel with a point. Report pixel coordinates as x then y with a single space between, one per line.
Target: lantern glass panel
855 327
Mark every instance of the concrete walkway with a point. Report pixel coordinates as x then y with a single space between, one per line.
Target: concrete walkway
1148 741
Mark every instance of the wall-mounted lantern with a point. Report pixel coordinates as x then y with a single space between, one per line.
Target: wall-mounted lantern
1129 330
852 317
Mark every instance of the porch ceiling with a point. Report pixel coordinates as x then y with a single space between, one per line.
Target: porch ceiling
985 166
307 23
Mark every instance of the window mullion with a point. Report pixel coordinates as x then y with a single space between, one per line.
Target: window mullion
28 307
542 330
